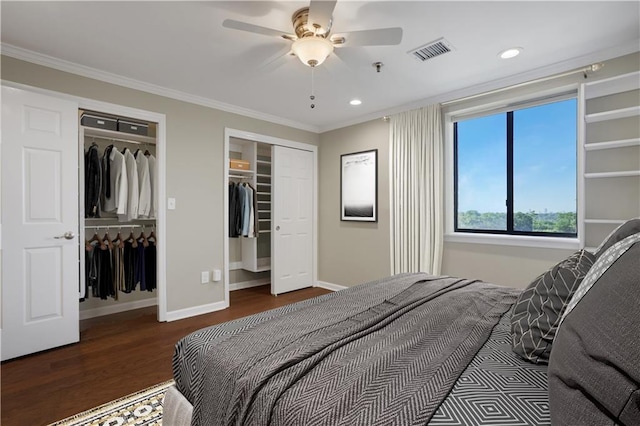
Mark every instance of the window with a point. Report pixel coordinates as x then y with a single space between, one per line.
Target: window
515 171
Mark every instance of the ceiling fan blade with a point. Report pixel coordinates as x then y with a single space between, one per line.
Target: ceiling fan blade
320 13
379 37
244 26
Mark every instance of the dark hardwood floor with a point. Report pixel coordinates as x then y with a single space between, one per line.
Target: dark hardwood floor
117 355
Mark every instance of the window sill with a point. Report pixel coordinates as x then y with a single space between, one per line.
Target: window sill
513 240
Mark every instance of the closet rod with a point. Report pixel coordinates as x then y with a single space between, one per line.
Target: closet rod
114 226
119 140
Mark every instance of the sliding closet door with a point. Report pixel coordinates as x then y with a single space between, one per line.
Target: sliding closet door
39 222
292 219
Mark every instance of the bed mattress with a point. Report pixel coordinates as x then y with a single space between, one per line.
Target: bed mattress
496 387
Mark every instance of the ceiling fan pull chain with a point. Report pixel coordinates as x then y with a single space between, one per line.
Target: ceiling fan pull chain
312 97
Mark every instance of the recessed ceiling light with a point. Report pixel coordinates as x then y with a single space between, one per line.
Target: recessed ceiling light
510 53
355 101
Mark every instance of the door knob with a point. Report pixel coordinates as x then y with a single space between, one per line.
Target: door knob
277 227
67 236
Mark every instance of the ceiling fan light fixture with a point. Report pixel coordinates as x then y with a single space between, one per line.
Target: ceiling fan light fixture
312 51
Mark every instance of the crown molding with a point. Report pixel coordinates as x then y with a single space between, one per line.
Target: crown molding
559 67
107 77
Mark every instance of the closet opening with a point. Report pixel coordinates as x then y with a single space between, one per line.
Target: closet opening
118 215
270 214
249 214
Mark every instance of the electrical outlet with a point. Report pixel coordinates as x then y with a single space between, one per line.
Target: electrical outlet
204 277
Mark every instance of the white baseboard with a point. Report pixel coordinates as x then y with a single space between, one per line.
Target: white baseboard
329 286
196 310
249 284
120 307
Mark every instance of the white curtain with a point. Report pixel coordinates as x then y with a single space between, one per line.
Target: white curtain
417 190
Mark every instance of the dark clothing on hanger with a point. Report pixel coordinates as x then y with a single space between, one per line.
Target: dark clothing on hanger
92 182
150 265
233 214
129 255
106 172
140 277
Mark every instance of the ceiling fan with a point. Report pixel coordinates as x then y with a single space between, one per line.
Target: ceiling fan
312 41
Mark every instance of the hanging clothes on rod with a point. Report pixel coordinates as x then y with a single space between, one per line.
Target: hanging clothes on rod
242 205
119 264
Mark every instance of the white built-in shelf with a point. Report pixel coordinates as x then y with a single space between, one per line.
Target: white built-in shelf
241 171
118 136
263 264
264 231
94 222
263 184
263 193
605 221
613 114
264 220
263 175
626 173
263 162
609 86
596 146
264 211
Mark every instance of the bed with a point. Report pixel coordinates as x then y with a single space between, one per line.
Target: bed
420 349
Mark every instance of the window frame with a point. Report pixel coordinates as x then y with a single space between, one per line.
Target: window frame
474 108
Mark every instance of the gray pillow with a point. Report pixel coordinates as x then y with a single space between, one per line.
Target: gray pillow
594 368
536 314
630 227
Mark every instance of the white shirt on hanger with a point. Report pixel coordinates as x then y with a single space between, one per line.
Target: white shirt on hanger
144 185
132 188
119 184
154 182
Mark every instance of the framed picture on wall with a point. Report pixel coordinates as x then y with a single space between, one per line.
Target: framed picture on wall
359 186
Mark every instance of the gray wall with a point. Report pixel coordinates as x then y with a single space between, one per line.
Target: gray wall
354 253
194 172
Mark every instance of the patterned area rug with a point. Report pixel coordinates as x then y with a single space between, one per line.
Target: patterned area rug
142 408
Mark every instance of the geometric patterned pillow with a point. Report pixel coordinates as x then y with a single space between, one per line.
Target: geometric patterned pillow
536 314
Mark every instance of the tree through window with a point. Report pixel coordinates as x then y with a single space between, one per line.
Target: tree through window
515 171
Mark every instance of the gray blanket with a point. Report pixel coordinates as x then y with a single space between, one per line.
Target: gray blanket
352 360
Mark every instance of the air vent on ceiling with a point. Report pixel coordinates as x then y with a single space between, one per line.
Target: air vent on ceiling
431 50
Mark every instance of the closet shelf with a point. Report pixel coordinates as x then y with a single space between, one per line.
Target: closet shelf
263 175
263 193
102 221
264 231
605 221
626 173
596 146
263 184
263 162
613 114
264 220
118 136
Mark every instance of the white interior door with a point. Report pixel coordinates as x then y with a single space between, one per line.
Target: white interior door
40 251
292 219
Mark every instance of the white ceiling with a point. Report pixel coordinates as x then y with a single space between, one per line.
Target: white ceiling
183 47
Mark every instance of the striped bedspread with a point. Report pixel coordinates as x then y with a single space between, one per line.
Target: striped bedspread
386 352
